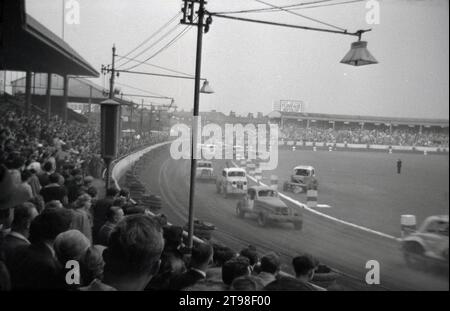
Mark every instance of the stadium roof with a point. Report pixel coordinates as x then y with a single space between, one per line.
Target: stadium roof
27 45
358 118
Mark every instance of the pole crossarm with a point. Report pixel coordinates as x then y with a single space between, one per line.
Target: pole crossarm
148 96
242 19
158 74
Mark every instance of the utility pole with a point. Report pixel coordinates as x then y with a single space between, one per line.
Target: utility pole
106 69
150 119
111 80
188 19
131 127
142 118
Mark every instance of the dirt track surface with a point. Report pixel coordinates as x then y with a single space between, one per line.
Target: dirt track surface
343 248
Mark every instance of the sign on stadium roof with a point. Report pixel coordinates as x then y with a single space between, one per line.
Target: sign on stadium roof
289 106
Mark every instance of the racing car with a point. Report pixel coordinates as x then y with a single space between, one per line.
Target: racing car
303 178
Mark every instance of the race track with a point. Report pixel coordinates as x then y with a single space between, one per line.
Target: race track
341 247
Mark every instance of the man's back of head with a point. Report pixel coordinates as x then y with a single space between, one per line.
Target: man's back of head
54 178
222 254
47 167
23 216
134 250
234 268
251 254
111 192
270 263
247 283
51 222
201 256
304 266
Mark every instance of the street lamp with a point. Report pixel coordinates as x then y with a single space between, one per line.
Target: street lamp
109 133
206 88
359 55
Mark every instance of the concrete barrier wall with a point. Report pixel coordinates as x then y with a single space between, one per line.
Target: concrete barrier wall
121 166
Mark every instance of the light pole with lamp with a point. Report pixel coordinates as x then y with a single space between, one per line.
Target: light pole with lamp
357 56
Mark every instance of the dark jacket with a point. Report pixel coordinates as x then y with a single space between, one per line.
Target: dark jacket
36 268
10 245
186 279
99 213
285 283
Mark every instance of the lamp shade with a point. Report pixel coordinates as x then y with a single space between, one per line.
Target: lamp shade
110 127
206 88
359 55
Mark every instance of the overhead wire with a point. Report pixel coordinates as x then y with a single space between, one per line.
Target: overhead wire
170 43
314 6
141 90
262 10
159 67
153 44
301 15
150 37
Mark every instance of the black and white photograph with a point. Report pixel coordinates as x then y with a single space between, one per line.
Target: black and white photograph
208 149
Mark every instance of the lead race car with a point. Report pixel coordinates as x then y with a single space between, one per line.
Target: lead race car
264 203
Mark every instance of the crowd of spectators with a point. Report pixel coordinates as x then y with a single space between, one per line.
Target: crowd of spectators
357 135
51 215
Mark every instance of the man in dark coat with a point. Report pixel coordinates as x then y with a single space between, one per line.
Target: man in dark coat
36 267
101 208
399 166
201 257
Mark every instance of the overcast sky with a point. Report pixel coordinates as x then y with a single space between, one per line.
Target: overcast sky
251 65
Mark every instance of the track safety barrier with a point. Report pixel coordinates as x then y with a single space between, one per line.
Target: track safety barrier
258 174
274 182
251 168
311 198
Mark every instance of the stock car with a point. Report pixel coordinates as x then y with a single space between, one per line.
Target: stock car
303 177
264 203
205 171
233 180
427 245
